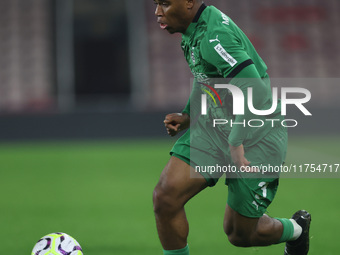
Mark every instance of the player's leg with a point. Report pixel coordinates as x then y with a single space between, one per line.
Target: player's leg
245 222
244 231
176 186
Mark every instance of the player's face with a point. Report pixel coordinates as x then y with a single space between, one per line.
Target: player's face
173 15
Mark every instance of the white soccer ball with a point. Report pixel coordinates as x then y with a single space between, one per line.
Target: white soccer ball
57 244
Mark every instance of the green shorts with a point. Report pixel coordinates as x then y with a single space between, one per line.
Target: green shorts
248 196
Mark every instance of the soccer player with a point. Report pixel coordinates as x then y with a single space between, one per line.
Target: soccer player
215 47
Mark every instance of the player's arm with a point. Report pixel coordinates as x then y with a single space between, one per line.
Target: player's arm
248 77
176 122
228 55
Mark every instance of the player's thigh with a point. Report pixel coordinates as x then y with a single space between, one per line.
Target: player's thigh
179 181
246 231
197 148
250 194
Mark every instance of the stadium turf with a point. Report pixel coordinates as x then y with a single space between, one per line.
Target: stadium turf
101 194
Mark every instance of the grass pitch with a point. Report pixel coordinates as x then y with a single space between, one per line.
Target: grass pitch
101 194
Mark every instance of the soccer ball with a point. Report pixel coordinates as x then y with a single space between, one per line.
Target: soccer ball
57 244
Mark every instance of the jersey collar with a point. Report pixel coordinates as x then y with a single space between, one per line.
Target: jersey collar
199 12
193 24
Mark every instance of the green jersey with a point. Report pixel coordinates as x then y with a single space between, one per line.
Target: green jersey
215 47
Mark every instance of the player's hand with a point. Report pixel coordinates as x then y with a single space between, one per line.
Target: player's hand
176 122
237 156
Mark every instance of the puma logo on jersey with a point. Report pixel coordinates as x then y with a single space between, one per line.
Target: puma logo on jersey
214 40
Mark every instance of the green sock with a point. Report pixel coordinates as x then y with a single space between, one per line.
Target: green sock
184 251
288 230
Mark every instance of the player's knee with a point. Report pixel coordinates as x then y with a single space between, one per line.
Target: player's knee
158 200
235 236
164 201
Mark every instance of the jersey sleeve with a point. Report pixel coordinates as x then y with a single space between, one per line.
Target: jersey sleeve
224 50
226 53
248 78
